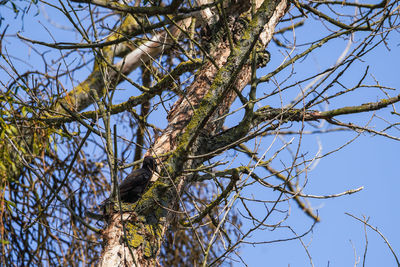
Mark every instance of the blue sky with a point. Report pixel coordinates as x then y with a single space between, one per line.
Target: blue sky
369 161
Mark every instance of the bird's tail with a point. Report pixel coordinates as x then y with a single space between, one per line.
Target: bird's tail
94 215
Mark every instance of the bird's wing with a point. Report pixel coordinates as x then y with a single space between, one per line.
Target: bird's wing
137 178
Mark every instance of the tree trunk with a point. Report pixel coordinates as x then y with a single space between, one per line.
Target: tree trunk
138 239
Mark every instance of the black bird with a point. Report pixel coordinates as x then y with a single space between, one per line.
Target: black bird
133 186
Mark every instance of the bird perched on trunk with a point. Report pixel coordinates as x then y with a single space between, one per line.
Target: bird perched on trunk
133 186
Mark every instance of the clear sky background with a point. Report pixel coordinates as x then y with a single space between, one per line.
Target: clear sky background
370 161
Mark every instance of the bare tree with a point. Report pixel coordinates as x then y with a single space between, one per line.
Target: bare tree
200 96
